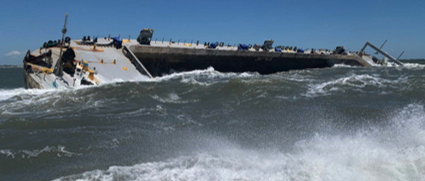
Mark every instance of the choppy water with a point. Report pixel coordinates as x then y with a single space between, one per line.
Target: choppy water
341 123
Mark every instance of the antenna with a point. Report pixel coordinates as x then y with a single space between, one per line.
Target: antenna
400 55
59 67
382 46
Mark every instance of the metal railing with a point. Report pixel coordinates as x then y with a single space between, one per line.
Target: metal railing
129 54
385 54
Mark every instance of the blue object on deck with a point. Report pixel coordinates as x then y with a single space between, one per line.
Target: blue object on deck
117 42
277 49
212 45
54 84
243 47
300 51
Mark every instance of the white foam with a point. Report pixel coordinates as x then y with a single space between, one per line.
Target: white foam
393 152
172 98
355 82
344 66
9 93
413 65
193 81
28 97
60 150
209 74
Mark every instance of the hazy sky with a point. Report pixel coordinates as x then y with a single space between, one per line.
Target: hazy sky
308 24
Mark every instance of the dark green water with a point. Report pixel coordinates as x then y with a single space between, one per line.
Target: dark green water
11 78
341 123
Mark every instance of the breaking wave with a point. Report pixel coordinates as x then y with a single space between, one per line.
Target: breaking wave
353 82
414 65
207 75
9 93
392 152
344 66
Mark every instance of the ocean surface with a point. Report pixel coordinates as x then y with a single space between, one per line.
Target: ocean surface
340 123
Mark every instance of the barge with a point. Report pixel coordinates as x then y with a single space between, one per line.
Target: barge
68 63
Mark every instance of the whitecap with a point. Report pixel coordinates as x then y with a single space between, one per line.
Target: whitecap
392 152
60 150
353 82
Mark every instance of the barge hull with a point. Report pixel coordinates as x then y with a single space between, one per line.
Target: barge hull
163 60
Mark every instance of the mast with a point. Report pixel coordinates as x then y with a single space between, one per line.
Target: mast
59 67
